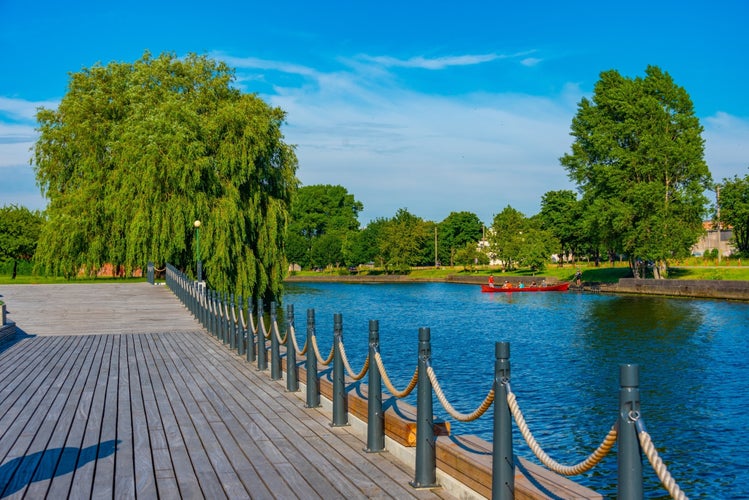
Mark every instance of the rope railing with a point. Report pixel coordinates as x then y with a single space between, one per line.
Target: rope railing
226 320
393 390
656 462
462 417
302 351
320 359
572 470
355 376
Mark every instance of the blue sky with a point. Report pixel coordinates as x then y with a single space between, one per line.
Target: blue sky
430 106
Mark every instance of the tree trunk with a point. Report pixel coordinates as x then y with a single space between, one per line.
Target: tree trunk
15 269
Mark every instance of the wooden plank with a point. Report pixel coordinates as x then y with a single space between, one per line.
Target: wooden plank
72 454
143 464
104 470
163 469
182 466
192 467
30 444
333 463
50 465
83 475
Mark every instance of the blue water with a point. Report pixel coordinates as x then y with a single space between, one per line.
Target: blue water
566 349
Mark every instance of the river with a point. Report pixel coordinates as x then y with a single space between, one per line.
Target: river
566 349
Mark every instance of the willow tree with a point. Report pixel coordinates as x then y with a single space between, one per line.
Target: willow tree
135 153
638 158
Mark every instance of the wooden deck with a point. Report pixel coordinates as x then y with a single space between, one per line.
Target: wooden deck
156 408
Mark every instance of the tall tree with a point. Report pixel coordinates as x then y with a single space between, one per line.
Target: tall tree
734 210
506 236
19 232
455 232
560 215
403 240
136 152
638 158
318 210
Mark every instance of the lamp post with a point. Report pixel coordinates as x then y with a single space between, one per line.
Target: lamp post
197 249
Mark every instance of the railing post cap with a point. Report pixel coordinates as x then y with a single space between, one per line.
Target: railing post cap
502 350
424 334
629 375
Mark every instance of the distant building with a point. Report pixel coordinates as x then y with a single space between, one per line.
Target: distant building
713 238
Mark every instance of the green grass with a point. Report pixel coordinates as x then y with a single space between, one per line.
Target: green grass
692 269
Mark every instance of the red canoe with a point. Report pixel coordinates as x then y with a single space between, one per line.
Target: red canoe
559 287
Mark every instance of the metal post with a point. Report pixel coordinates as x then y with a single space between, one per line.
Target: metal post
262 356
629 458
224 319
375 416
340 410
426 458
313 383
250 339
275 353
240 328
292 374
503 462
232 325
150 273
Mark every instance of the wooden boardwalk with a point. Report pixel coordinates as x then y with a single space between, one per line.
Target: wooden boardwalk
157 408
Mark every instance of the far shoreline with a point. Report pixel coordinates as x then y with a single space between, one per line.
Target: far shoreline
698 289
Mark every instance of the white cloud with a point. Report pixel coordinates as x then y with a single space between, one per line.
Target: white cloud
433 63
23 110
726 145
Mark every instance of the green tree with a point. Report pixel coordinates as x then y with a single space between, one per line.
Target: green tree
136 152
506 236
561 216
536 245
638 160
469 255
403 240
319 210
455 232
326 251
365 245
19 232
734 210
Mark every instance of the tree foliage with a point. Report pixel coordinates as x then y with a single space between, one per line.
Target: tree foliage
19 232
136 152
322 210
638 160
734 210
403 241
561 216
455 232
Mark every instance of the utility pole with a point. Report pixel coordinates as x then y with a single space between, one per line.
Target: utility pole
717 216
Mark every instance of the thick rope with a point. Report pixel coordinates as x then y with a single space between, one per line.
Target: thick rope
275 328
324 362
658 466
461 417
265 331
584 466
355 376
395 392
300 352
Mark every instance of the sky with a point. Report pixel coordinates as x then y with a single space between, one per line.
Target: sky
433 107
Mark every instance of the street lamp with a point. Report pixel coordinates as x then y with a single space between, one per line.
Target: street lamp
197 249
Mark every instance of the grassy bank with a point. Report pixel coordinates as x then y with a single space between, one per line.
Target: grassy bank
696 269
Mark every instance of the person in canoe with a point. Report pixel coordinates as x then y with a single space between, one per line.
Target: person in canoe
491 280
507 284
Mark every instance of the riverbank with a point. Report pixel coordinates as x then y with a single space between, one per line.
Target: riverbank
705 289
